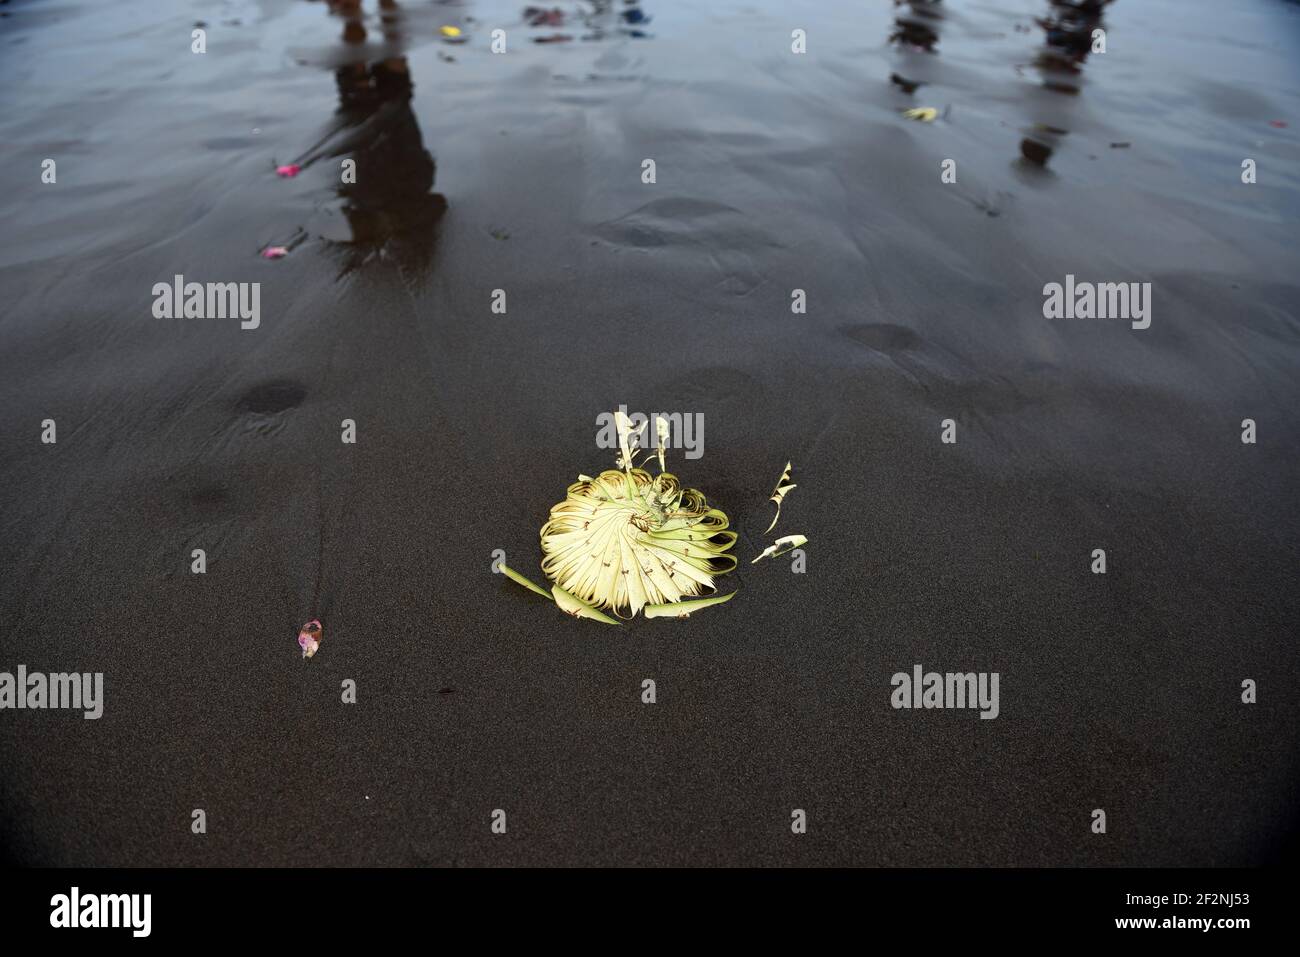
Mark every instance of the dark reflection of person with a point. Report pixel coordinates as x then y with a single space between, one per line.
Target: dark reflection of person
1068 27
389 206
915 30
1068 40
916 27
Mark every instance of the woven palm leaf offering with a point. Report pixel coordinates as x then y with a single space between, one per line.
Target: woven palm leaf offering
627 542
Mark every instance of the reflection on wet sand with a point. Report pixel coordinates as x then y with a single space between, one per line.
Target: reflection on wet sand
916 28
389 207
386 191
915 31
388 201
1069 28
602 21
1069 40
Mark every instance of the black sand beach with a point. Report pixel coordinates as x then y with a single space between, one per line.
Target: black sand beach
775 171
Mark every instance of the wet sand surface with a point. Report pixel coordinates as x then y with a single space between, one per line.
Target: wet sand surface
775 171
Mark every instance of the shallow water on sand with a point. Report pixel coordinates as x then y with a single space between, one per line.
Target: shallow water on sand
522 171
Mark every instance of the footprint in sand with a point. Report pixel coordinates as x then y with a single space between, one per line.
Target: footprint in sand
721 234
261 408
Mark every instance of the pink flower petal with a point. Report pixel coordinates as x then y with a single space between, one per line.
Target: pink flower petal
289 169
275 252
309 638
